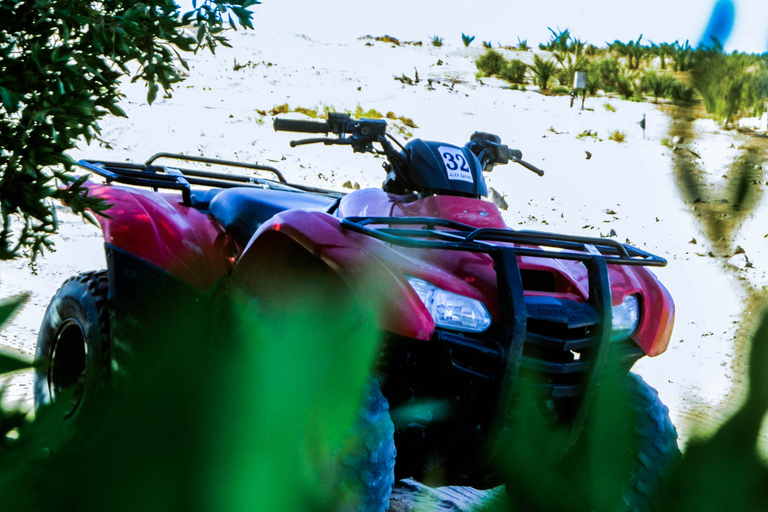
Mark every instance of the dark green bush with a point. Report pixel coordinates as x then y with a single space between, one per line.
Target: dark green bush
514 72
679 92
729 85
629 85
657 84
606 72
491 63
563 77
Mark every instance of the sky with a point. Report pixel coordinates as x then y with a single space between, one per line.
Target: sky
503 21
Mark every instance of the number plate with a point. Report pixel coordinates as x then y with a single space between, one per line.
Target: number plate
456 166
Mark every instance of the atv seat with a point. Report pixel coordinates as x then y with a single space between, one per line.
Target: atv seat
242 210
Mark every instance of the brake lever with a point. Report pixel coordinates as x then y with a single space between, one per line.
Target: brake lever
321 140
528 166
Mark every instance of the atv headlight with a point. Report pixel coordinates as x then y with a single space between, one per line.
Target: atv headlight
625 318
451 310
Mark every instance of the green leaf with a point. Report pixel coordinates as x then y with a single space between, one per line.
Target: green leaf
10 306
12 363
152 92
115 110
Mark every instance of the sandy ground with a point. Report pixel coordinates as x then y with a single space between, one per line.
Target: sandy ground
627 187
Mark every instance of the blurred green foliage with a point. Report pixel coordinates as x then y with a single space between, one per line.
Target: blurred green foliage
730 84
61 62
253 417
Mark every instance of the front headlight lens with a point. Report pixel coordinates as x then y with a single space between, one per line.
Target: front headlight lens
451 310
625 318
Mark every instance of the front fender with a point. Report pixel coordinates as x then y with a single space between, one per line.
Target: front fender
371 270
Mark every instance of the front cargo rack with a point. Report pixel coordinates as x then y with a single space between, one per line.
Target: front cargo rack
149 174
504 246
462 237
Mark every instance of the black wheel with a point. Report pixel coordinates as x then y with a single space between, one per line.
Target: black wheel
624 452
368 465
72 356
656 441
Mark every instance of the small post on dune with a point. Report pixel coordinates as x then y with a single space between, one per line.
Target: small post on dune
642 125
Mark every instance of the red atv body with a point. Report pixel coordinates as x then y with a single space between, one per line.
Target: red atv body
470 309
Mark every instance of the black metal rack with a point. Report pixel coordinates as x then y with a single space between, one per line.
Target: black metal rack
170 177
462 237
504 246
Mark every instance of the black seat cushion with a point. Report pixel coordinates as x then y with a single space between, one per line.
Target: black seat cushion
242 210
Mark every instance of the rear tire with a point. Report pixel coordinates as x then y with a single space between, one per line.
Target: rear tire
72 356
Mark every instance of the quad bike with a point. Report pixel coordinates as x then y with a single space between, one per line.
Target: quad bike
471 311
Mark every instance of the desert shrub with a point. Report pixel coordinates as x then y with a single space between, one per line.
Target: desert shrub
587 134
606 72
560 90
437 41
679 92
360 113
728 84
407 121
629 85
523 45
562 77
514 72
758 89
487 44
310 112
543 71
491 62
608 107
657 84
280 109
467 40
617 136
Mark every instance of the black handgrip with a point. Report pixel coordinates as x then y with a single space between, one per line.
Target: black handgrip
515 154
297 125
528 166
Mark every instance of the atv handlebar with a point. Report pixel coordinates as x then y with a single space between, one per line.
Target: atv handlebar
360 134
297 125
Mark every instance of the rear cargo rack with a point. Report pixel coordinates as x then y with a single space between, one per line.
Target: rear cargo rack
171 177
462 237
